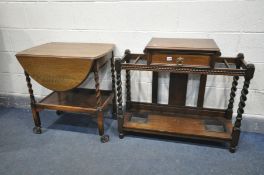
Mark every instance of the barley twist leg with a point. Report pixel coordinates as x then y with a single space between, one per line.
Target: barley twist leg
100 114
35 113
113 86
236 129
120 117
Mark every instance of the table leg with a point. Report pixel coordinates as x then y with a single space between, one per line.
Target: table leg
59 112
35 113
100 117
113 86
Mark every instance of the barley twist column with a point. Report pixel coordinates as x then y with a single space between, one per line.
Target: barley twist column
236 129
100 114
128 84
113 85
229 111
97 87
35 113
119 98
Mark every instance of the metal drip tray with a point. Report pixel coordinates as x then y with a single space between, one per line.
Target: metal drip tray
214 126
139 117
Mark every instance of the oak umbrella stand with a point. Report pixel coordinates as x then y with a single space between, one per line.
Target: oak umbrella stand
62 67
177 119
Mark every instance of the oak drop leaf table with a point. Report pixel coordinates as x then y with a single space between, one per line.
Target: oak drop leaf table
62 67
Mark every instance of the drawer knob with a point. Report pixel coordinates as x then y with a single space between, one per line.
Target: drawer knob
179 61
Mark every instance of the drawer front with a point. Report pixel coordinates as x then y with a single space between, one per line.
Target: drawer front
180 59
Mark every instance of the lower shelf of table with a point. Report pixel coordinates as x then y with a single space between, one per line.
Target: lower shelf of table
178 125
76 100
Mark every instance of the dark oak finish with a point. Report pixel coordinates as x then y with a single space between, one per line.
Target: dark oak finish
35 113
236 129
172 109
89 51
202 85
48 63
186 44
180 52
128 83
177 89
176 119
179 125
200 60
62 67
175 51
74 101
119 97
114 113
155 85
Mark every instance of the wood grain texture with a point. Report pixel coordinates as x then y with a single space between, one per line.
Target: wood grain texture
178 125
100 122
155 87
35 113
76 100
178 89
172 109
182 44
200 100
195 60
176 119
69 50
181 52
58 74
63 66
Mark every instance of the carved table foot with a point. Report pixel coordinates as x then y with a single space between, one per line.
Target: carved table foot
37 130
121 135
104 138
232 149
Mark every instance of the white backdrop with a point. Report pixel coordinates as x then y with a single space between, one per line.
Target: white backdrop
236 26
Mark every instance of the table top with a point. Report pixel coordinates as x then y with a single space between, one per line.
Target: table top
182 44
69 50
